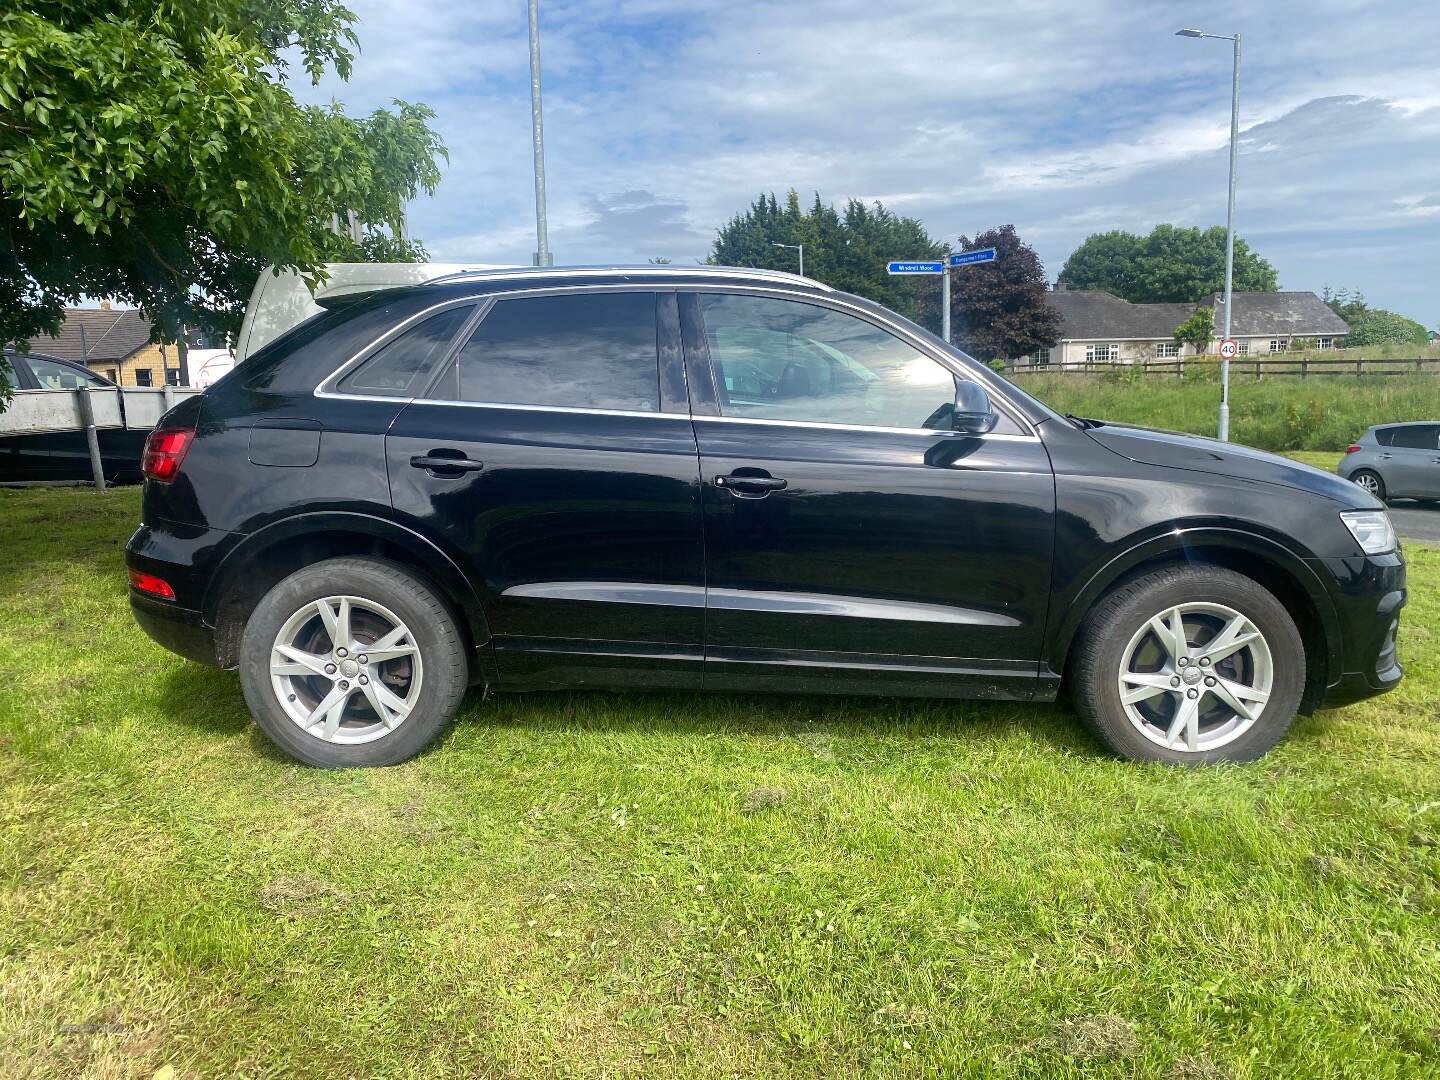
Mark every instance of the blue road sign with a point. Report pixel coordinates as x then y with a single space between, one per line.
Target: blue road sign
965 258
915 268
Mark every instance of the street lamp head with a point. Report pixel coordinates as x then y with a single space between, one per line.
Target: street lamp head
1189 33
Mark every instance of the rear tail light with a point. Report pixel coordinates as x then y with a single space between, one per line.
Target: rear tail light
149 583
1354 448
164 451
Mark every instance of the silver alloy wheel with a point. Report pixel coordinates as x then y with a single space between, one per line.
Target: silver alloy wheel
1196 677
1369 482
347 670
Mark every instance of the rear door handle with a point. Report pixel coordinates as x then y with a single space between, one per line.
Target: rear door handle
441 464
751 483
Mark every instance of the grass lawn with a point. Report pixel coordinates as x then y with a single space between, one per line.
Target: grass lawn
594 884
1276 413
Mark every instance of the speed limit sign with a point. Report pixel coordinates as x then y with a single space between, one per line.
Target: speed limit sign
1228 349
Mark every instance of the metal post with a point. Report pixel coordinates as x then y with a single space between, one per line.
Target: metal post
92 440
542 235
801 249
1230 242
945 305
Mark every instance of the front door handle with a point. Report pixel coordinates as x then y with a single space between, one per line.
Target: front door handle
739 482
442 464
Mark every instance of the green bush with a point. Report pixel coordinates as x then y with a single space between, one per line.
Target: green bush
1276 413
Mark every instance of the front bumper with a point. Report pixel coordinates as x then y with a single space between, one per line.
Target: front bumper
1368 593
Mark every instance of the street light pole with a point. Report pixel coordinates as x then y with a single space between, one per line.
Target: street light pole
542 235
794 247
1224 432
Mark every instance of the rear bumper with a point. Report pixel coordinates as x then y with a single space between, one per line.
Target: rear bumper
185 557
178 629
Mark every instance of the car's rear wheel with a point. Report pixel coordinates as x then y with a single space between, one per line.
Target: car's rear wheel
352 662
1189 665
1370 481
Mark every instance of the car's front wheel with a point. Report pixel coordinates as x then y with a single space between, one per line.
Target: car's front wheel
352 662
1189 665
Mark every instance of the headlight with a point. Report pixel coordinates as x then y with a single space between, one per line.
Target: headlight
1372 530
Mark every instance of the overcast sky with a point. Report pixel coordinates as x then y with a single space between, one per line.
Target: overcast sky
663 118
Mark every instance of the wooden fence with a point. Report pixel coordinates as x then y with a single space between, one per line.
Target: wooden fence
1253 366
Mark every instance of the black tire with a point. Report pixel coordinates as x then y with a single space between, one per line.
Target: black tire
436 635
1379 489
1095 667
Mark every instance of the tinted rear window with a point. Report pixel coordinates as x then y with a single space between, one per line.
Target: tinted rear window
405 365
592 351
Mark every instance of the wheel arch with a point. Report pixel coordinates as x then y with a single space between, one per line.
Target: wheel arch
268 555
1263 560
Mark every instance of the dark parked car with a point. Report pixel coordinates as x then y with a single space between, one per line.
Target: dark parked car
732 480
1396 461
63 455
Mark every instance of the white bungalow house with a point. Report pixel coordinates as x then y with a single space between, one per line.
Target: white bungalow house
1098 327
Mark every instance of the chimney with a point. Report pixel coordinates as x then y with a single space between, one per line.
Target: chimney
104 305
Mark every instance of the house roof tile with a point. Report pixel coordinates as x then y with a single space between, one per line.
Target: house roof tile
1097 316
109 335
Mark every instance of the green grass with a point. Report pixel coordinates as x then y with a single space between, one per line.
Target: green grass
593 884
1276 413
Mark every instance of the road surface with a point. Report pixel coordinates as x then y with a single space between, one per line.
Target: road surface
1416 521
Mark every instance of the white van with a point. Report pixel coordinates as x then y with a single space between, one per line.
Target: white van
283 300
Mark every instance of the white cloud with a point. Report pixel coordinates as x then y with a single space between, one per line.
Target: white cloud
665 117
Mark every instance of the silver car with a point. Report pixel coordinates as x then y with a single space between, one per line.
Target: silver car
1396 461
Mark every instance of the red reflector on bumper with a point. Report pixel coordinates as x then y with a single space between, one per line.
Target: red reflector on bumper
149 583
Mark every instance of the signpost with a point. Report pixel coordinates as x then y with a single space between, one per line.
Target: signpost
980 255
964 258
1229 349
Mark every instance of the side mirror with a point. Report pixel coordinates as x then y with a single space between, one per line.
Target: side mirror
974 415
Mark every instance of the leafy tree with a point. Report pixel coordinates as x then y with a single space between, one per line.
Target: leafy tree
1376 326
1197 331
1348 305
998 310
1172 265
152 152
847 250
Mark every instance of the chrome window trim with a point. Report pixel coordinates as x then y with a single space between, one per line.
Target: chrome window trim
325 388
581 411
520 273
486 301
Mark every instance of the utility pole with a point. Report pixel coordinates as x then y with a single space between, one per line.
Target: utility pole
1224 425
800 248
542 235
945 305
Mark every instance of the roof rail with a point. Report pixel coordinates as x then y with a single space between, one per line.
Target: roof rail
658 271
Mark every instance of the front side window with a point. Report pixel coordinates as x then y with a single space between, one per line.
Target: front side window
404 366
1167 348
1101 354
143 377
1325 343
578 351
1243 347
789 360
1278 345
53 376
